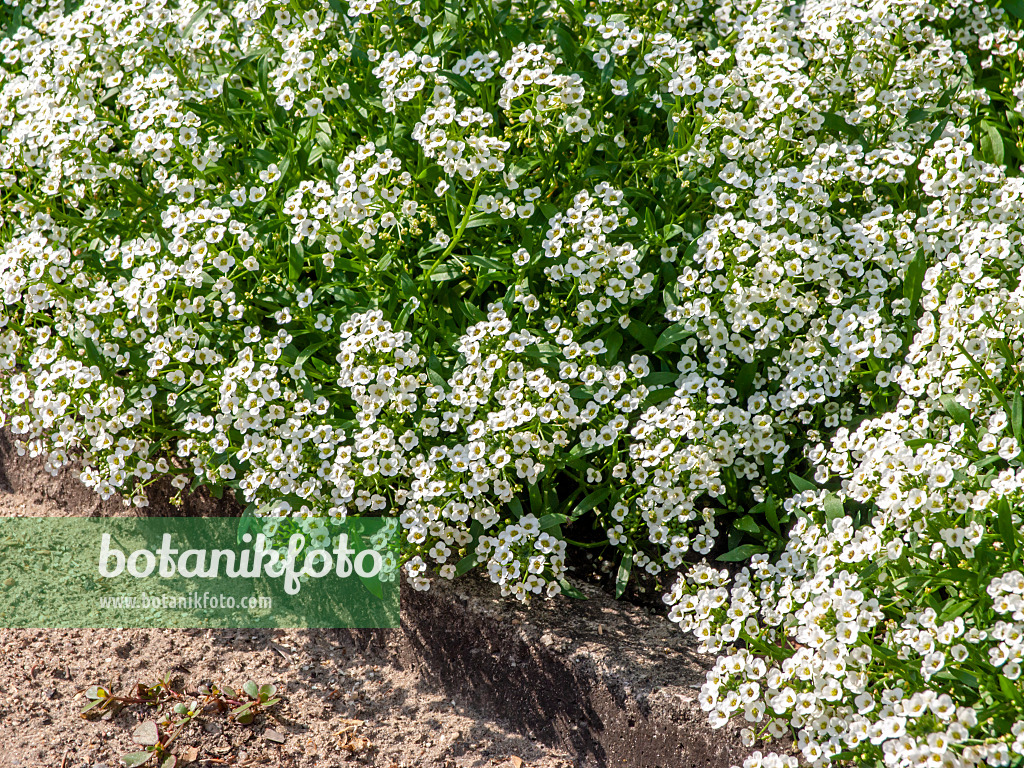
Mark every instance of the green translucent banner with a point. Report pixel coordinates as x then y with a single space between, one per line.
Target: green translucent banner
188 572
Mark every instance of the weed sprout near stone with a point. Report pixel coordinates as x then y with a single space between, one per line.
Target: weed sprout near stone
681 283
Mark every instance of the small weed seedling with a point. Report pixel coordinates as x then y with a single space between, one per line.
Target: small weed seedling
158 734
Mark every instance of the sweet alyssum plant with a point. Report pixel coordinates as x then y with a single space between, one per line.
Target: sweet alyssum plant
516 271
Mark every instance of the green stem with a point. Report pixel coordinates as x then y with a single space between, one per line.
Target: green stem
458 232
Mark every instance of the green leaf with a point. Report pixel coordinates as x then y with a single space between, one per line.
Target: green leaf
770 514
836 125
517 508
252 690
536 499
447 271
1014 7
465 564
955 608
801 484
670 335
745 380
659 378
451 211
742 552
613 343
991 144
552 520
267 690
913 280
133 759
570 590
566 41
643 334
964 677
92 705
590 501
1009 689
957 412
650 227
833 507
196 18
578 451
1017 413
296 261
485 263
1006 529
459 82
917 115
747 525
622 578
657 396
146 733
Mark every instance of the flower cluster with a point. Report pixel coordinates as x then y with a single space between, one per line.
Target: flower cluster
733 278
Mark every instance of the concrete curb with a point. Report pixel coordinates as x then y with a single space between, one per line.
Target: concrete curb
604 680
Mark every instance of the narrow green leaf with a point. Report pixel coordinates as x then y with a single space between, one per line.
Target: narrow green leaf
92 705
613 342
196 18
133 759
657 396
590 501
957 412
536 500
517 507
913 279
801 484
643 334
771 515
833 507
570 590
1006 529
670 335
622 578
1009 689
459 82
742 552
465 564
552 520
955 608
991 144
745 380
296 261
747 525
1014 7
452 212
1017 413
835 125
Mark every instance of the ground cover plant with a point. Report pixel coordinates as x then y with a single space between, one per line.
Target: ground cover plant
680 283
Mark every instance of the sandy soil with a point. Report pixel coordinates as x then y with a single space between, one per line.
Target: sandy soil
344 702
